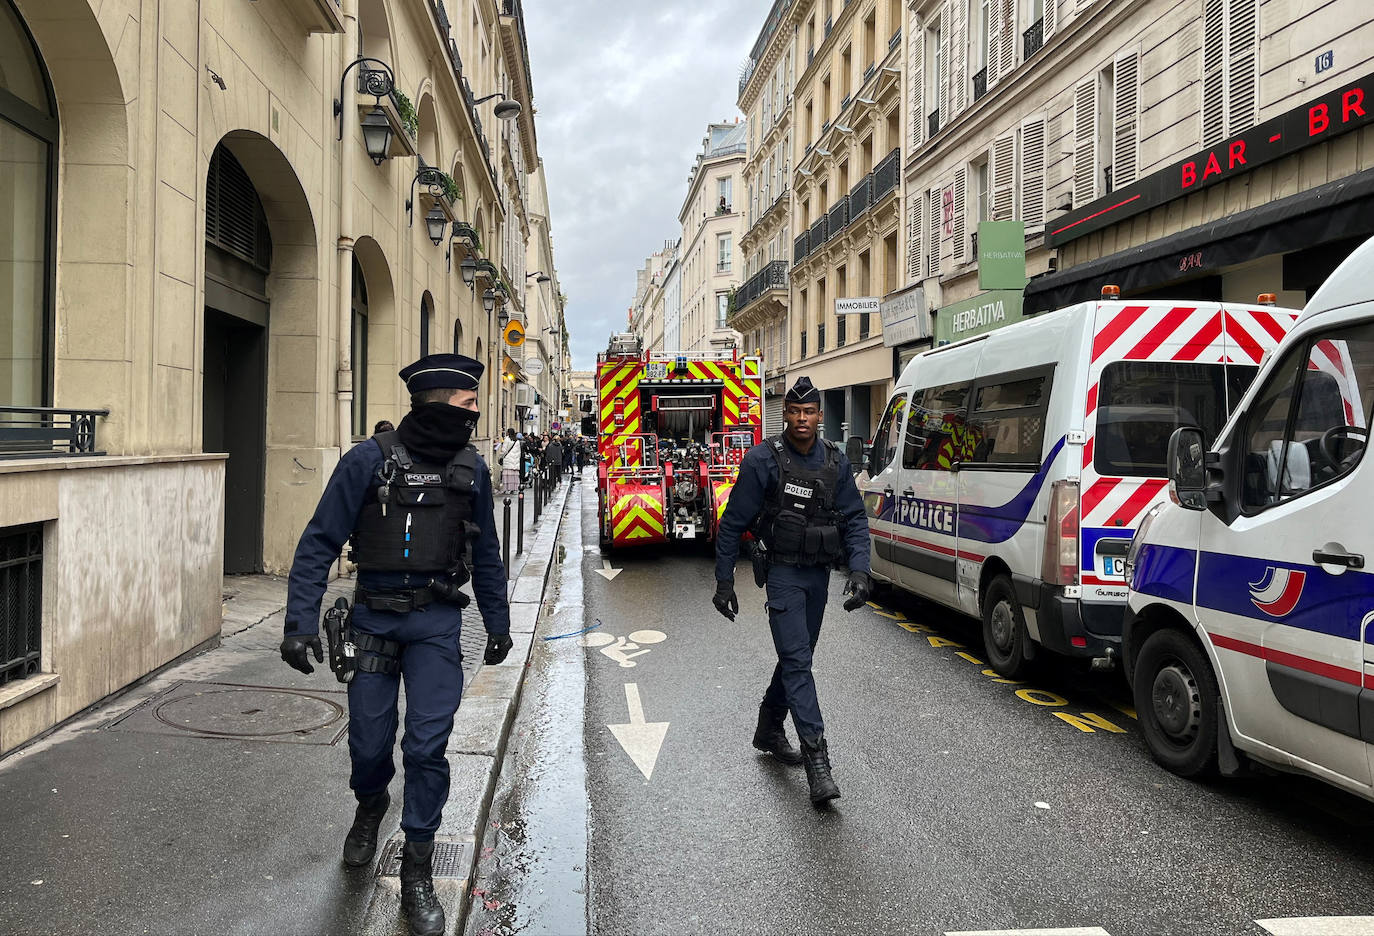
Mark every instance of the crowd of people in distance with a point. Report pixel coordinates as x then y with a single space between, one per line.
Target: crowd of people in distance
519 456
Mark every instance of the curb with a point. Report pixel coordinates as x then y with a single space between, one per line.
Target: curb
477 745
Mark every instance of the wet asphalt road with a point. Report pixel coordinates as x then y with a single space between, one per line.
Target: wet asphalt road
968 803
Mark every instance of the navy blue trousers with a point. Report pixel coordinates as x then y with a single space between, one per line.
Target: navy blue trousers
433 678
796 604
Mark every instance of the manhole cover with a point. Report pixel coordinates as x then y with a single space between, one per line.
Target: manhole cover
262 713
452 860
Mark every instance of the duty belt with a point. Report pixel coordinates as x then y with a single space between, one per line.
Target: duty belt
400 601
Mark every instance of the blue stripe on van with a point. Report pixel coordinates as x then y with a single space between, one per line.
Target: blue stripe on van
1316 600
999 524
1165 572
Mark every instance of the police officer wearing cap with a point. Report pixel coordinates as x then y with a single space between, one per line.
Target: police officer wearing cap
415 505
796 494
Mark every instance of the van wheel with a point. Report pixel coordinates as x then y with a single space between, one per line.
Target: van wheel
1004 630
1176 700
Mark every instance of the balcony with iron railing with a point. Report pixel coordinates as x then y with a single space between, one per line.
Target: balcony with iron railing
819 233
980 83
885 175
838 218
1034 38
801 247
773 277
933 124
861 197
43 432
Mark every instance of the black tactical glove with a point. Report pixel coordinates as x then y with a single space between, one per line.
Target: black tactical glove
294 652
498 645
860 586
724 599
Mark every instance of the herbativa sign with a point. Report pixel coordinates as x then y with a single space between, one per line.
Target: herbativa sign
982 313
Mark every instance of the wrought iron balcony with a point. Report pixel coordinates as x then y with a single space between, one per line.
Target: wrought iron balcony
36 431
870 71
838 219
861 197
818 233
980 83
1034 38
801 247
885 174
933 126
896 38
772 276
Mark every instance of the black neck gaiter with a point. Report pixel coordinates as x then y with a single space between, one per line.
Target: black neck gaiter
436 432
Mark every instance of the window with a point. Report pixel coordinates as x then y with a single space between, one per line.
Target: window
723 253
725 192
937 433
21 613
981 173
1291 449
888 436
1141 403
359 359
722 309
1008 422
28 132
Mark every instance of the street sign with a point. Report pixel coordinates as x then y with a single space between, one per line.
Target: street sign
862 305
514 334
534 367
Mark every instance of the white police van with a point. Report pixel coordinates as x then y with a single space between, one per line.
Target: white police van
1251 621
1010 470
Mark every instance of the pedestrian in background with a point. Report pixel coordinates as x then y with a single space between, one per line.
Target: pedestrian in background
553 459
581 448
407 613
797 495
508 456
383 425
569 447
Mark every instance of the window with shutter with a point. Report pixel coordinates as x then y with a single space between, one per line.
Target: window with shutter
1003 160
1006 58
1032 185
1126 119
913 239
959 75
915 79
933 228
946 34
1213 71
1085 155
1051 17
993 29
1242 66
959 226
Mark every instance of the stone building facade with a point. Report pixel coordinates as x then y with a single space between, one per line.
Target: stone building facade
219 246
712 219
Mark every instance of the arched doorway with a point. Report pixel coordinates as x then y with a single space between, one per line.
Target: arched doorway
358 341
457 337
238 258
380 362
28 181
426 321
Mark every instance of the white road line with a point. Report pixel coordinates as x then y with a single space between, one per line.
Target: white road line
1320 926
1068 931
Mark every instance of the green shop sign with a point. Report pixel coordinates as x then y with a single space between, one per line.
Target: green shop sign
983 313
1001 255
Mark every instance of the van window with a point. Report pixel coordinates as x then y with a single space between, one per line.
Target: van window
937 433
1141 403
888 436
1310 422
1008 423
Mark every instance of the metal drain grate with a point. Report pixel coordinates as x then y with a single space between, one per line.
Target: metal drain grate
452 860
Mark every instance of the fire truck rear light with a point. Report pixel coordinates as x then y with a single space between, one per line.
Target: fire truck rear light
1268 299
1079 642
1111 292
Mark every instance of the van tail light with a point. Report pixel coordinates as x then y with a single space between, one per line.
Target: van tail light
1061 535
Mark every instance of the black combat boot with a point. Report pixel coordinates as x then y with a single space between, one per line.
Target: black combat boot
418 900
816 757
770 738
361 844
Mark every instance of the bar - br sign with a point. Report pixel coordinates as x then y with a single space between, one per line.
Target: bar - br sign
857 306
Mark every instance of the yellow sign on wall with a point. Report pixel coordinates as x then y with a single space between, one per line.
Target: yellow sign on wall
514 334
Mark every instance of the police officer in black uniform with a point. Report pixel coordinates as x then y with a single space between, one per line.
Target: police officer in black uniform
416 507
796 494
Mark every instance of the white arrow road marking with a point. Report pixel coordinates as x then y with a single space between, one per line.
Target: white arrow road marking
1320 926
1069 931
640 739
606 571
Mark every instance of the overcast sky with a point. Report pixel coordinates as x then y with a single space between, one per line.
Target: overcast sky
624 90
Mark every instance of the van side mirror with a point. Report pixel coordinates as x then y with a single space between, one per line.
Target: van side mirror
1187 468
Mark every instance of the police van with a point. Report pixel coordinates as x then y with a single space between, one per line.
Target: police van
1251 614
1009 471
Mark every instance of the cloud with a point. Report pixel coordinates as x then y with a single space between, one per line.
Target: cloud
624 91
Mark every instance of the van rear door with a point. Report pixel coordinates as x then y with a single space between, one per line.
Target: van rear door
1286 589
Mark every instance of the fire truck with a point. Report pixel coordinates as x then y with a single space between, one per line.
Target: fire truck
672 431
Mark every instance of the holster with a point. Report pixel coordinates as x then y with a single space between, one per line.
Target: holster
342 653
758 556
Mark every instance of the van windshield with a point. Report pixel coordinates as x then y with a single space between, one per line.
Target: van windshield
1141 403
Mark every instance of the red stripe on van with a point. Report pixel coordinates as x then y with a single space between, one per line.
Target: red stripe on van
922 544
1159 334
1137 502
1192 349
1088 452
1094 495
1283 658
1116 328
1092 399
1269 323
1251 347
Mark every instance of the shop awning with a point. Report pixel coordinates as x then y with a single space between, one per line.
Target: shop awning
1329 212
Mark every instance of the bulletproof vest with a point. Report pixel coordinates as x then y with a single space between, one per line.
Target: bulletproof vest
418 517
799 522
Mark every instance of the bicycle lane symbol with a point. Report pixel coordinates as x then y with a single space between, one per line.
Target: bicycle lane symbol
623 650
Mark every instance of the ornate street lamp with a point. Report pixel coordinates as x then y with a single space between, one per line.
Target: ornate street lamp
469 270
542 277
377 135
508 109
489 300
436 222
378 82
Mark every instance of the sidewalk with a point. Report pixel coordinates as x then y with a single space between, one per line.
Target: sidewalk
213 799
